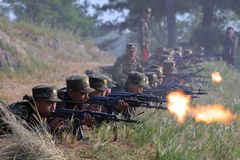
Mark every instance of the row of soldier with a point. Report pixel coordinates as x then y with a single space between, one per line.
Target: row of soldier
164 63
77 96
82 93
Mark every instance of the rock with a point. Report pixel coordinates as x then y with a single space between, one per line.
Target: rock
6 60
94 51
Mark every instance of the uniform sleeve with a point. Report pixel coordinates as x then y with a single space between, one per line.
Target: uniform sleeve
235 45
142 33
118 71
139 67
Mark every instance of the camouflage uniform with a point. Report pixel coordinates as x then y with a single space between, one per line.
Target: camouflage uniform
137 78
144 34
157 57
168 69
152 78
79 83
76 83
124 65
26 110
230 47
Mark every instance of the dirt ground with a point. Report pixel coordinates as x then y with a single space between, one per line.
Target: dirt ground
12 90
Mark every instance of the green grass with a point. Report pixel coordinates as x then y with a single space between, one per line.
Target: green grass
161 137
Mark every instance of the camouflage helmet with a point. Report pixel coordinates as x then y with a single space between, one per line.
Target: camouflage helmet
187 52
178 53
79 83
131 47
200 49
153 67
178 49
152 77
98 82
137 78
111 83
167 53
158 71
229 28
165 57
45 92
147 10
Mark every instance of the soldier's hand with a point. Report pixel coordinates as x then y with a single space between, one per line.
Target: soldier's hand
88 120
122 106
57 123
93 107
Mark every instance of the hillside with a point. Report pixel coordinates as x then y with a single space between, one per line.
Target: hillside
31 54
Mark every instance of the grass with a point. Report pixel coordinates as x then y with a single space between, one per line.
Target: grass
39 48
159 136
26 144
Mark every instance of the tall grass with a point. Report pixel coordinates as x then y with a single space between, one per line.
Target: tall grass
28 144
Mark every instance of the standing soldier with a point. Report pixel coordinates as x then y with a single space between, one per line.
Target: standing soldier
126 63
144 33
230 46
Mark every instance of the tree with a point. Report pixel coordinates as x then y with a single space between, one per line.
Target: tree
55 13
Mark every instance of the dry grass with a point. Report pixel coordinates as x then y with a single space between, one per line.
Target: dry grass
27 144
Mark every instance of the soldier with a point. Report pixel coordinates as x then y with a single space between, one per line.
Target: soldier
32 109
169 53
77 89
168 70
156 58
200 51
100 84
144 33
230 46
126 63
159 72
75 96
136 82
153 79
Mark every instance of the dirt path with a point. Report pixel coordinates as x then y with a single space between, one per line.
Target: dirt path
13 90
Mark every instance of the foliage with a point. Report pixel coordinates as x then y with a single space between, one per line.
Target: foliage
55 13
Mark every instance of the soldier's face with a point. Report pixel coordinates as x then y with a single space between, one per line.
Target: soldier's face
147 15
230 32
78 96
98 93
154 85
45 106
131 53
160 81
132 88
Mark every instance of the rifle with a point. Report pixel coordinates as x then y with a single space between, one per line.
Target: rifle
183 67
79 114
140 97
164 90
189 76
110 102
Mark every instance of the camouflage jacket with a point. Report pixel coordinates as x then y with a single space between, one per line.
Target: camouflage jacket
230 46
123 66
144 33
26 110
66 101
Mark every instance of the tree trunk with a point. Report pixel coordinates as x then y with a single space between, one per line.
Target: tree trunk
206 26
208 14
171 22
